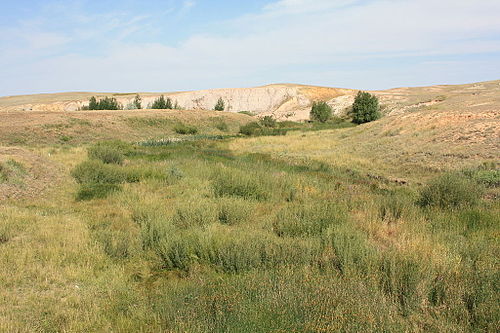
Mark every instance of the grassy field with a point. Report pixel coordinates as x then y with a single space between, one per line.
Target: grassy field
319 230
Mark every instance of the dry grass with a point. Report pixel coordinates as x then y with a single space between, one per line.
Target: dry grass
42 128
223 236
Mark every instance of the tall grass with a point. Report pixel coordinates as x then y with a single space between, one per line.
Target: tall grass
200 239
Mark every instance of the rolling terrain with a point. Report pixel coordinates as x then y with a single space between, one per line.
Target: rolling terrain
172 221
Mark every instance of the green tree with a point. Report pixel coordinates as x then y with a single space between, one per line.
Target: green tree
159 103
138 102
93 103
365 108
168 104
220 106
321 112
107 103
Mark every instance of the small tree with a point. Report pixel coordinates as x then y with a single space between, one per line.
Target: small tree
159 103
220 106
107 103
365 108
138 102
93 103
177 106
168 104
321 112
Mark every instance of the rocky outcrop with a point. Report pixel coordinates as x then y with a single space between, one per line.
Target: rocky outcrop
284 101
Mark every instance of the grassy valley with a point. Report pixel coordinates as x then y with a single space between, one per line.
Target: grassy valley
171 221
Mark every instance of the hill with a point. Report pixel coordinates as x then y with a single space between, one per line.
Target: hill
169 221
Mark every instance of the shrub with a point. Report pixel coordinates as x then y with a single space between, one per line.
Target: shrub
400 278
107 152
308 219
365 108
220 106
195 213
268 121
450 191
352 253
250 129
107 103
221 125
231 252
98 179
321 112
255 129
234 182
233 211
185 129
96 191
162 103
251 185
138 102
96 172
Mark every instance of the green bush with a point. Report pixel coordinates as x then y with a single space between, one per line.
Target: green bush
365 108
234 182
162 103
96 191
255 129
234 211
231 252
307 219
450 191
321 112
250 129
400 278
107 153
251 185
352 254
220 106
96 172
268 121
185 129
221 125
107 103
195 213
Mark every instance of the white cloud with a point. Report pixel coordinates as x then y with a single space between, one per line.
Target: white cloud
318 41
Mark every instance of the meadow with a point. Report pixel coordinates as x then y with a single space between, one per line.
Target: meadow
209 231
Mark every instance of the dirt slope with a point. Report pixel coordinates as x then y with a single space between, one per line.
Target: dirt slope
283 101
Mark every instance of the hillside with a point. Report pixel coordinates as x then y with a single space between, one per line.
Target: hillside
170 221
283 101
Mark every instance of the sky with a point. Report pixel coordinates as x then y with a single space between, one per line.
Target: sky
175 45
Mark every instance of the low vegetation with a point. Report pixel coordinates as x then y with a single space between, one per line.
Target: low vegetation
12 171
196 233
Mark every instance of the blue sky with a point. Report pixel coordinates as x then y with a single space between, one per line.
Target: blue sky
172 45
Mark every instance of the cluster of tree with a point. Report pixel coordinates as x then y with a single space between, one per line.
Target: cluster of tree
165 103
365 108
107 103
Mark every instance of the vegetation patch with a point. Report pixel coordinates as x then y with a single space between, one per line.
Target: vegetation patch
450 191
12 171
184 129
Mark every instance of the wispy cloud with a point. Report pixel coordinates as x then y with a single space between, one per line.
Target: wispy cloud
365 44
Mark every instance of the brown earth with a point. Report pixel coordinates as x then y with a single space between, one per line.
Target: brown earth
41 174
